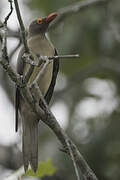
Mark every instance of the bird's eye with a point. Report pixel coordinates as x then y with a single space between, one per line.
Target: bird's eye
39 21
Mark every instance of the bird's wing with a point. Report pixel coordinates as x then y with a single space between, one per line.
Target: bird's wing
20 67
53 81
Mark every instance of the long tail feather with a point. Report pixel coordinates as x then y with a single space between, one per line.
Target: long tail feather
30 144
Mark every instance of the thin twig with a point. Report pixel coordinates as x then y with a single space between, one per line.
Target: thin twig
4 34
4 43
73 159
22 28
64 56
43 58
23 33
9 14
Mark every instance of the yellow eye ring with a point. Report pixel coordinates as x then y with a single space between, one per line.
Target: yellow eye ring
39 21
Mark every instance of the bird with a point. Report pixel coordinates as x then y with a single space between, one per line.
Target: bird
38 44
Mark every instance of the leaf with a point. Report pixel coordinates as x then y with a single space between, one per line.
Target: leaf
44 169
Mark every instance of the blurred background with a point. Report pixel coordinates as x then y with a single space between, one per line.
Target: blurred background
86 100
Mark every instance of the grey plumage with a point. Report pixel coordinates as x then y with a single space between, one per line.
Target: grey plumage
38 44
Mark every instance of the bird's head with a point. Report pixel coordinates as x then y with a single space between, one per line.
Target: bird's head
40 25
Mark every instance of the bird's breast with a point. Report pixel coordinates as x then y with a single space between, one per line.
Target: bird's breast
41 46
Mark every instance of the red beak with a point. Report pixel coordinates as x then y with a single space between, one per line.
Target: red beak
51 17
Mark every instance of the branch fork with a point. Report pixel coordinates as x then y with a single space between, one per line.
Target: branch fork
42 59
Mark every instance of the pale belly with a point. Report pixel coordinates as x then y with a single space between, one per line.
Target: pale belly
43 48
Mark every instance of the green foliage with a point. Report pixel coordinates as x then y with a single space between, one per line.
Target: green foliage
44 169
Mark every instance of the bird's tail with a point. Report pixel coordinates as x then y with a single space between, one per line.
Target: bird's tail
30 144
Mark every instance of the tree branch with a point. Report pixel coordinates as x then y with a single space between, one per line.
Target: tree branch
51 121
22 28
3 33
9 14
43 59
24 39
